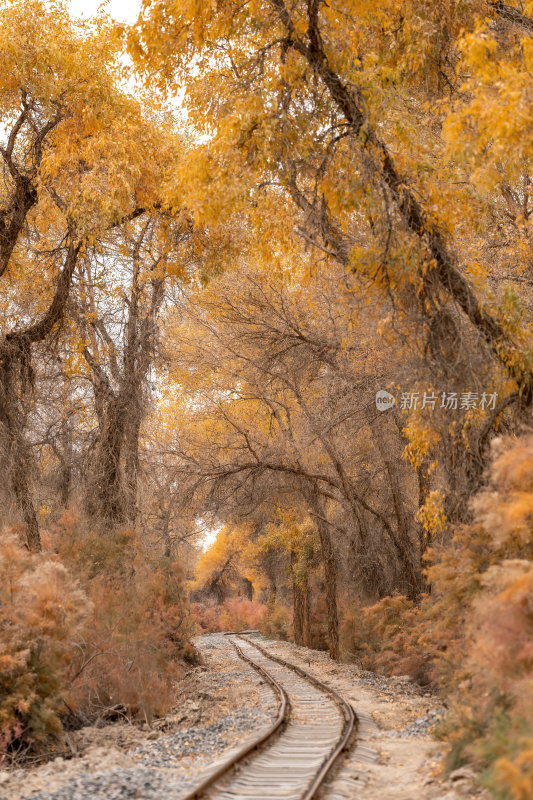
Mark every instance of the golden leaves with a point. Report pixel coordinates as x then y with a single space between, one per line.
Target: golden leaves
432 516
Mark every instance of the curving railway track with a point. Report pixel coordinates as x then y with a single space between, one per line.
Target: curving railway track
291 759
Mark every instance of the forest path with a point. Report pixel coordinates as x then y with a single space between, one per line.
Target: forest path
221 706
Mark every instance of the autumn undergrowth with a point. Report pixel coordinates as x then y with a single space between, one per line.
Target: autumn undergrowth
471 638
94 628
234 614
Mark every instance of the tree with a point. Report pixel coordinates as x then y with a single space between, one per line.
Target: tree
380 153
275 402
120 336
79 159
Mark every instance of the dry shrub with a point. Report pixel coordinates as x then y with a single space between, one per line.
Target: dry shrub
378 635
42 612
206 615
512 775
500 633
473 635
506 509
240 614
133 646
424 640
492 719
391 637
132 651
112 644
234 614
499 692
278 621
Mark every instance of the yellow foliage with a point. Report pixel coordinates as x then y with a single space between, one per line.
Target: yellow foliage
432 515
517 774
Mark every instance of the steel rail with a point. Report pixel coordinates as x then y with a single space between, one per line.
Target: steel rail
347 711
284 707
281 719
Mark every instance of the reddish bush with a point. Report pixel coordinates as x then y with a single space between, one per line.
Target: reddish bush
207 616
132 652
42 615
472 636
133 647
240 614
234 614
112 645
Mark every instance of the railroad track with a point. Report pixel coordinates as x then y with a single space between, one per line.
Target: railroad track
291 759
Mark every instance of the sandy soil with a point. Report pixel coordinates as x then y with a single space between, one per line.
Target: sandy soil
222 704
395 757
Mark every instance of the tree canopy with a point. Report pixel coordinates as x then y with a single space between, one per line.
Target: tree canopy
266 271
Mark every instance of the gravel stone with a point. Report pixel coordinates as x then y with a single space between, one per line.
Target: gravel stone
166 765
121 784
207 740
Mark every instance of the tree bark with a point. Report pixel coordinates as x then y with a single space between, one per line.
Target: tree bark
131 461
512 15
330 569
16 379
423 492
307 615
65 453
405 545
20 483
298 605
112 491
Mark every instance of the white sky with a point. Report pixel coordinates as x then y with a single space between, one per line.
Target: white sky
121 10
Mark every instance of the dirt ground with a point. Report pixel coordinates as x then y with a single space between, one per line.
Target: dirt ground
395 757
223 703
218 706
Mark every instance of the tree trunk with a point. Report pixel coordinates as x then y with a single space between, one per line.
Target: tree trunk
131 458
63 451
65 482
106 499
112 494
330 570
307 615
405 545
167 541
12 418
298 606
20 482
16 379
247 589
423 492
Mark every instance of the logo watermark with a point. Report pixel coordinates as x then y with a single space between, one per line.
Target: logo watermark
449 401
384 400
